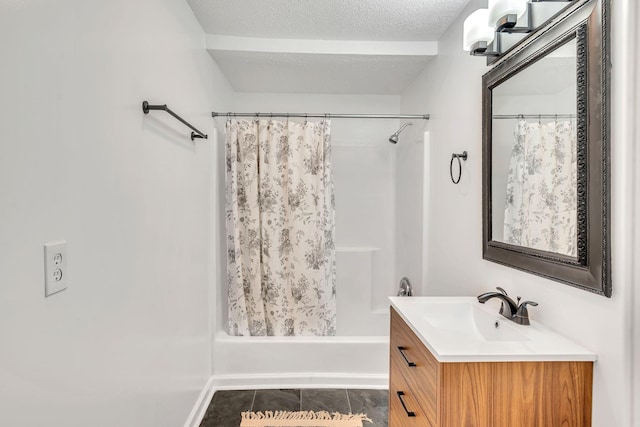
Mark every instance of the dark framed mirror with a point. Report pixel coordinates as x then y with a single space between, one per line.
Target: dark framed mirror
546 192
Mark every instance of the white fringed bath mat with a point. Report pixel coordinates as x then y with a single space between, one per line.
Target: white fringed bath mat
301 419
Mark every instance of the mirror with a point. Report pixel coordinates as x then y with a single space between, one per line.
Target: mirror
545 152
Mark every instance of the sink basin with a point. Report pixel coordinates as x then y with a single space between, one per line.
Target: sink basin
467 320
460 329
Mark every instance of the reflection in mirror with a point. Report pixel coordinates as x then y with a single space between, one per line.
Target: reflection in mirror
534 173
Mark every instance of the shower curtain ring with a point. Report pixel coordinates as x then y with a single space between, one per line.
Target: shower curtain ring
462 156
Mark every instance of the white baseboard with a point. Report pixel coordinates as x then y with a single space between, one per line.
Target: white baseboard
280 381
201 405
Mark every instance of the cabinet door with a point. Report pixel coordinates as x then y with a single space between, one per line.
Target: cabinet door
543 394
467 395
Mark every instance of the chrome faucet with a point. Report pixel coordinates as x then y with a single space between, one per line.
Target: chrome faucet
513 311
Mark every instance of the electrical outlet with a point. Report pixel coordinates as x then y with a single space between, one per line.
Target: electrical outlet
56 267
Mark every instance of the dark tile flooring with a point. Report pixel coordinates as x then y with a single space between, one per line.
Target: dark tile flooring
226 406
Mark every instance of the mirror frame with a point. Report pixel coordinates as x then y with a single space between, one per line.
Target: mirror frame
587 22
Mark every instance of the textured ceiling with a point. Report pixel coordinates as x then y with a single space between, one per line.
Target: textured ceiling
296 22
329 19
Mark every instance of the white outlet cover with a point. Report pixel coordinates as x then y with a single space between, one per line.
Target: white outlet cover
56 267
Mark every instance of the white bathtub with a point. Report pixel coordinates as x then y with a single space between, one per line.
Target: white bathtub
295 362
358 357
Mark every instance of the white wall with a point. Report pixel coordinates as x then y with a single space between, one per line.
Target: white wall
450 90
364 164
128 344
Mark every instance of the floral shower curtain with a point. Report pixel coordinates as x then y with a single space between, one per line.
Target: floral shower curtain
280 228
541 202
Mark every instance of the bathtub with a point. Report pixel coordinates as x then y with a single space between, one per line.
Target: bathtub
299 362
357 357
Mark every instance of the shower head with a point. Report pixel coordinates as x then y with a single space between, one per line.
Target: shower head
394 138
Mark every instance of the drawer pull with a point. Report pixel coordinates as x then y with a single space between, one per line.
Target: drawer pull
410 364
409 413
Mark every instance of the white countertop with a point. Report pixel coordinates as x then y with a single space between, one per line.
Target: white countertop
460 329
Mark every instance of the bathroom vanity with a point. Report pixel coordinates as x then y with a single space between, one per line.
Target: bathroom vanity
454 362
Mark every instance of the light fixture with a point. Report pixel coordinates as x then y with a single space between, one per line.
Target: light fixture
491 32
505 14
477 33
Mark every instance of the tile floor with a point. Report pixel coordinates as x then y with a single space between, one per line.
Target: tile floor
226 406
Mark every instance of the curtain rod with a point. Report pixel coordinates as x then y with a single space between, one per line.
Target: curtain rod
326 115
534 116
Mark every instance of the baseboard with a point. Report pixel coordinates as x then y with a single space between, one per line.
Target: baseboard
201 405
262 381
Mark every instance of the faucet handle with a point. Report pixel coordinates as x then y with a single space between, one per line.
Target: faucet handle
525 303
502 291
522 315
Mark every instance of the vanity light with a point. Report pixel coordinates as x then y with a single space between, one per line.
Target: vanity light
477 33
505 14
491 32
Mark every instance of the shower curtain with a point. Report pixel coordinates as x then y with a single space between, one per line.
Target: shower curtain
280 213
541 202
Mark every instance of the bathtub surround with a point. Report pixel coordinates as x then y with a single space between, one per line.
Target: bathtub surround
128 343
280 228
364 165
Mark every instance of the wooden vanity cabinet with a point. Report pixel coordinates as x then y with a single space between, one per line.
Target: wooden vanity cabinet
482 394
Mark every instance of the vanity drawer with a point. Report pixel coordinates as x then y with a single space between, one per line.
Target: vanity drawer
409 415
413 367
